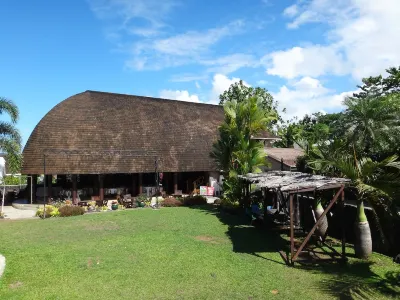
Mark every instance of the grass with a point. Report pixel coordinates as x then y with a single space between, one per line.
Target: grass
171 253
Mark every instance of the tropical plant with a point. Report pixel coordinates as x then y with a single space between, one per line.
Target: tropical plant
373 123
375 182
236 152
10 138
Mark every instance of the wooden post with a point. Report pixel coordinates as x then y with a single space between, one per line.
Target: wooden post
34 184
49 179
175 182
134 183
333 201
140 183
297 210
343 225
101 187
74 190
291 229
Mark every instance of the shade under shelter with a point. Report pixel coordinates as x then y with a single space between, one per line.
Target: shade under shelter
293 183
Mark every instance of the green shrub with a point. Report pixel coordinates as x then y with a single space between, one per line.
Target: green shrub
217 201
51 211
171 202
194 200
229 206
69 210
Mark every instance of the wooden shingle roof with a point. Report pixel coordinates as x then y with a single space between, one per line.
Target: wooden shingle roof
92 123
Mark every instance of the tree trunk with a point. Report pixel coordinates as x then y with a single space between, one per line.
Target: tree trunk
323 227
363 240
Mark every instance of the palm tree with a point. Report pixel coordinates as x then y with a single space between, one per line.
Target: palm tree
372 123
372 181
236 152
10 139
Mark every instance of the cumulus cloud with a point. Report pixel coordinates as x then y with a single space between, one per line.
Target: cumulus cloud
220 84
179 95
311 61
362 39
291 11
307 96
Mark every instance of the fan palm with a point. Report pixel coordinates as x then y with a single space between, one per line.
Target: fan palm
372 123
373 182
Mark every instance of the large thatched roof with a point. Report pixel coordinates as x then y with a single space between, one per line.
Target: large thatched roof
180 133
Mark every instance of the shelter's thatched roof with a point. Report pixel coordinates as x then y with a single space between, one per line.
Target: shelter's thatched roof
293 181
180 133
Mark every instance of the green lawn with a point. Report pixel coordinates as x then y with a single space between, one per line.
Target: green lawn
171 253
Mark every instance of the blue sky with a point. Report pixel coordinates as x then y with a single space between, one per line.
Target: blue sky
309 54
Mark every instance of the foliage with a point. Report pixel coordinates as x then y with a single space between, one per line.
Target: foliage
236 152
372 123
10 138
241 93
141 198
376 86
194 200
14 180
70 210
51 211
171 202
229 205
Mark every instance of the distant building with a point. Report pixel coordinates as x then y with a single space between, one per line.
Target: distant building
283 158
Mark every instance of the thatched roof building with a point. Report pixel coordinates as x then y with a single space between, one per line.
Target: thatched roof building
92 123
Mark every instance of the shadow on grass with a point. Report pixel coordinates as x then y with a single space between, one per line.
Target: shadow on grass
354 280
244 237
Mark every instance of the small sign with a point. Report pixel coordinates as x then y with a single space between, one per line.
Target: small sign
203 191
206 191
210 191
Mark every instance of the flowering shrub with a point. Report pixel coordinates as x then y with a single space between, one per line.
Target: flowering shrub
51 211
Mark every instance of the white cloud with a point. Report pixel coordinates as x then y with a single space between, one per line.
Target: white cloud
152 13
197 85
291 11
311 61
362 39
230 63
307 96
220 84
179 95
187 77
185 48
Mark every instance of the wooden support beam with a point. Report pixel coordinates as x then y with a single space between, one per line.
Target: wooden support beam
74 189
175 182
101 187
34 187
291 228
140 183
49 179
333 201
134 185
343 225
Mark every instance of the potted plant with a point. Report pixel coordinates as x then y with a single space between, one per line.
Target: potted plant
114 205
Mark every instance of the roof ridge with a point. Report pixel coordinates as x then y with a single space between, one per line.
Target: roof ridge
152 98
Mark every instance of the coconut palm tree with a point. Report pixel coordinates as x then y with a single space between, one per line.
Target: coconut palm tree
372 181
10 139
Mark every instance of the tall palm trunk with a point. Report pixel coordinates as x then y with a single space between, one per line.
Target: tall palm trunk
363 239
323 227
